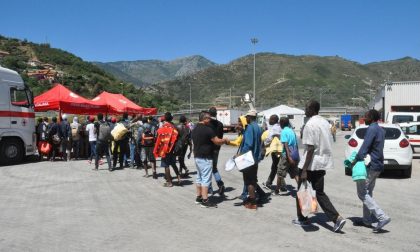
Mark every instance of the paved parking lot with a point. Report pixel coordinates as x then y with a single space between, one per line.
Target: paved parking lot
68 207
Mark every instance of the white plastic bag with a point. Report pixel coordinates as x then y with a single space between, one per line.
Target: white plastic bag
244 161
230 164
307 199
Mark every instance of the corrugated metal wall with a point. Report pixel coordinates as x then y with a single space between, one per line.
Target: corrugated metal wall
402 93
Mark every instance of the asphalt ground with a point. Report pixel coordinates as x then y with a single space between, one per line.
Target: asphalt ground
66 206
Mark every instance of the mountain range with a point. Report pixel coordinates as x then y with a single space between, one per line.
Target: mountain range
288 79
147 72
280 78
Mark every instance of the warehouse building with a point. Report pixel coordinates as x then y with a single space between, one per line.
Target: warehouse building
401 96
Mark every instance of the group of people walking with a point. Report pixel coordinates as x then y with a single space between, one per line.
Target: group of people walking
311 168
145 139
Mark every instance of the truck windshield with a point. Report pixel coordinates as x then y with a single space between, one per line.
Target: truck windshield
20 97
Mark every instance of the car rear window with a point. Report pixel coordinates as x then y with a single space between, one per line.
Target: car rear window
402 118
390 133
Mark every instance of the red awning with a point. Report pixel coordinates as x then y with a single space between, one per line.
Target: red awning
61 98
118 104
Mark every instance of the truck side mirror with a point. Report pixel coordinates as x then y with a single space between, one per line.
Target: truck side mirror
347 137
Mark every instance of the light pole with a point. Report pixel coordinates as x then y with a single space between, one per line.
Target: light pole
254 41
122 88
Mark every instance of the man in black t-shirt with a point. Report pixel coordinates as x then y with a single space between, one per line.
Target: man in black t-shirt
204 139
217 127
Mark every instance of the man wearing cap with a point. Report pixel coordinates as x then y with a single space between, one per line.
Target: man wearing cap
251 142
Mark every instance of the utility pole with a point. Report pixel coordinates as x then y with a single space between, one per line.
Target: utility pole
122 88
354 92
190 101
230 98
254 41
293 96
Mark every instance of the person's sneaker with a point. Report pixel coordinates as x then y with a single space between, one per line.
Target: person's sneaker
198 200
275 193
208 204
210 191
382 224
222 191
339 224
283 189
155 175
302 223
266 185
362 223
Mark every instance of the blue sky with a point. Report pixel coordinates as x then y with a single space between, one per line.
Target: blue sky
104 30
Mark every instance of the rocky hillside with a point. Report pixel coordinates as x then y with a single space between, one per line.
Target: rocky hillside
146 72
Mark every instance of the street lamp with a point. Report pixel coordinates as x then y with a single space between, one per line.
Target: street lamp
254 41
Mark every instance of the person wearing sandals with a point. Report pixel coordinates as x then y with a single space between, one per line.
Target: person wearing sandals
204 140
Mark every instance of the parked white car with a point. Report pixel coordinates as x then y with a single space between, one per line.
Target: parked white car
398 153
412 131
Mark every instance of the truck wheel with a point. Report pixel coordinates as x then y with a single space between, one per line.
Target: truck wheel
407 173
11 151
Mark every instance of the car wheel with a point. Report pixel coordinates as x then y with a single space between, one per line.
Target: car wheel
407 173
347 172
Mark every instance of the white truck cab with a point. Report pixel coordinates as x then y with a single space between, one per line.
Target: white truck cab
17 118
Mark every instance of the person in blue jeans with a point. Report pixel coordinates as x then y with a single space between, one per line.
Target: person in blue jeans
373 145
90 129
204 139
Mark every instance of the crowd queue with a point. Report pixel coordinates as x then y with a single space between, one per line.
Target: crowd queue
144 139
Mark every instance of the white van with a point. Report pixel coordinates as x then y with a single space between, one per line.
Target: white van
403 117
412 131
17 118
410 125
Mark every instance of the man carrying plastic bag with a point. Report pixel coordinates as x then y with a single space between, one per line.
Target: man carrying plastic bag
317 158
307 199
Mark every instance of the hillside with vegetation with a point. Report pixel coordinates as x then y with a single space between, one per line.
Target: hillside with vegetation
41 66
293 80
280 78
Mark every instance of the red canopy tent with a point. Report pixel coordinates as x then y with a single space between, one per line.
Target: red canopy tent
150 111
61 99
118 103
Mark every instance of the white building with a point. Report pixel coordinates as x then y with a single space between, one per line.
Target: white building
398 96
296 116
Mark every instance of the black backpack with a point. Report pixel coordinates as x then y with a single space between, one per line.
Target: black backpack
104 134
147 137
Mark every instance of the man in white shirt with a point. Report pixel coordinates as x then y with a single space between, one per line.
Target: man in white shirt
90 128
317 158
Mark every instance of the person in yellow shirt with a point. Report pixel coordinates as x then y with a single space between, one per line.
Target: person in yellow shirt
242 123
